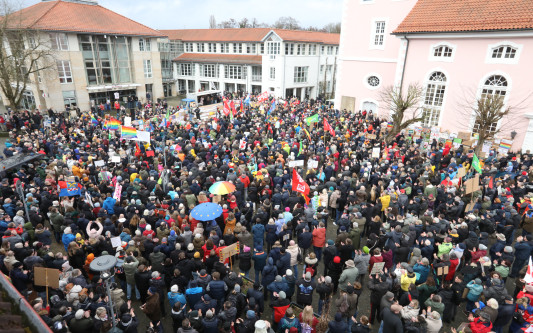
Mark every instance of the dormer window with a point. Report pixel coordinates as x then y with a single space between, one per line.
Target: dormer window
504 52
443 51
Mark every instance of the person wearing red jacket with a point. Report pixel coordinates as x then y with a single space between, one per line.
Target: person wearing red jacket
375 259
481 324
319 239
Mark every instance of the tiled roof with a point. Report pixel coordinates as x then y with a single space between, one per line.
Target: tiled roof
249 35
467 15
220 58
78 17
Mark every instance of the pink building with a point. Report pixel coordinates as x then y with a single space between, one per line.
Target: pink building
456 49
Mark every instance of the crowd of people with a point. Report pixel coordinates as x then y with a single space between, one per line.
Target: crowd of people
398 226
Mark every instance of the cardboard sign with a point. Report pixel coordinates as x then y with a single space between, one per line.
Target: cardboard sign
312 164
442 270
229 251
375 152
461 172
377 268
115 159
99 163
115 241
371 136
464 135
46 277
472 184
296 163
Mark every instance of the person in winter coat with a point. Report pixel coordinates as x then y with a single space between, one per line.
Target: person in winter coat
67 237
151 308
245 261
305 287
217 288
505 314
319 239
434 322
377 257
258 232
426 289
391 319
435 303
130 267
361 261
293 250
338 325
410 311
268 275
94 233
497 290
278 285
348 276
210 322
289 321
422 268
378 288
475 288
259 258
279 306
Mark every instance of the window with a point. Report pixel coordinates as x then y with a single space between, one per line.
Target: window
299 49
373 81
379 33
322 50
433 99
211 48
69 98
443 51
233 72
64 72
144 44
208 70
200 47
272 73
322 69
224 48
312 49
251 48
188 47
59 41
273 48
262 48
185 69
329 68
505 52
300 74
257 73
238 47
289 49
147 64
495 85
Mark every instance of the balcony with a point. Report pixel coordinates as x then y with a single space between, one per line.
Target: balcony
257 78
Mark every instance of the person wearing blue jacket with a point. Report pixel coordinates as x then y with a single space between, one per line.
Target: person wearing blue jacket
109 205
259 257
475 288
67 237
217 289
422 269
269 275
522 253
258 232
174 296
193 294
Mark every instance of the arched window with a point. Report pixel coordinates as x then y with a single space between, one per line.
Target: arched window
443 51
504 52
495 85
435 89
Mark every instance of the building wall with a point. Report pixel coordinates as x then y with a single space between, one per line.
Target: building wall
467 70
359 58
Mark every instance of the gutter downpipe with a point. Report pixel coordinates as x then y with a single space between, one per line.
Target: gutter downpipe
404 62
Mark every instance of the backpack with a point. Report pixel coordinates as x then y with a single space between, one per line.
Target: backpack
310 269
343 308
305 328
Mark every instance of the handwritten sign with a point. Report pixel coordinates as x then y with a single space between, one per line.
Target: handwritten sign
115 159
377 268
296 163
375 152
99 163
116 242
312 164
118 192
229 251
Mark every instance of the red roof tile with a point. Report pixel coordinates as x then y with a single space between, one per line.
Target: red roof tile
77 17
221 58
467 15
250 35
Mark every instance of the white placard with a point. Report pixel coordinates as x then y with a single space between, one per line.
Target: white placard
99 163
127 121
116 242
115 159
143 136
312 164
375 152
296 163
486 147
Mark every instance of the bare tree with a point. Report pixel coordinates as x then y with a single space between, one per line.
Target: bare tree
334 28
231 23
287 22
24 55
244 23
491 116
212 22
400 105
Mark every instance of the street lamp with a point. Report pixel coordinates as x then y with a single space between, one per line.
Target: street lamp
105 266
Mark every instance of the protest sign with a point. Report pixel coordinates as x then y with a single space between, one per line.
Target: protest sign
46 277
118 192
312 164
229 251
99 163
115 241
377 268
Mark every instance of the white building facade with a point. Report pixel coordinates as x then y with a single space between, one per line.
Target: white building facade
284 63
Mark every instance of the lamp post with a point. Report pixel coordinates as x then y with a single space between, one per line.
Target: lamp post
105 266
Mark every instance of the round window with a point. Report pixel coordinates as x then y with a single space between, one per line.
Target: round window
373 81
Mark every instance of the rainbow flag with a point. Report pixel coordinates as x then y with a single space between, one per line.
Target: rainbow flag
113 124
94 121
308 135
389 125
505 145
128 133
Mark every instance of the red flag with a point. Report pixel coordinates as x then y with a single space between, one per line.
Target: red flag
226 107
137 150
298 184
150 153
233 108
242 105
491 182
327 127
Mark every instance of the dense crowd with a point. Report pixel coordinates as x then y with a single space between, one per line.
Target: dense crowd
437 250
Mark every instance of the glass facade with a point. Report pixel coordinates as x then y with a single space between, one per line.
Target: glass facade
107 59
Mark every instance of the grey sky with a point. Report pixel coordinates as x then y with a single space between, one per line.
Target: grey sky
180 14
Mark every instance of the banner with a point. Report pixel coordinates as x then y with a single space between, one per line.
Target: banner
298 184
118 192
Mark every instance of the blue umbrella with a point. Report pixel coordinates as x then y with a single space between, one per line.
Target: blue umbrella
206 211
